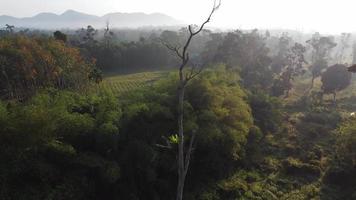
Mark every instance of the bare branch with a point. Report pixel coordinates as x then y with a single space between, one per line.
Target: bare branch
185 56
190 29
184 78
168 146
163 146
215 7
175 49
194 74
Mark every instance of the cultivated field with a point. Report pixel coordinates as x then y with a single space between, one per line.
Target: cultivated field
122 84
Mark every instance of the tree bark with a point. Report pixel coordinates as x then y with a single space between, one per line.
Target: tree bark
181 167
287 93
289 84
312 82
184 78
334 98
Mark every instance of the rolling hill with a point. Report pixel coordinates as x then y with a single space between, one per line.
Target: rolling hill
74 19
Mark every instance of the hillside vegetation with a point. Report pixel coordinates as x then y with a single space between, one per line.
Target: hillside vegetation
267 118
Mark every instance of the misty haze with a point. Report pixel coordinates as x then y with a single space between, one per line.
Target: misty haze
184 100
71 19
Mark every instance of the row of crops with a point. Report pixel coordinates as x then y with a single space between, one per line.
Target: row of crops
125 83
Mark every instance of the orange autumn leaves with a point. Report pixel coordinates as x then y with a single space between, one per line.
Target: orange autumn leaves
28 64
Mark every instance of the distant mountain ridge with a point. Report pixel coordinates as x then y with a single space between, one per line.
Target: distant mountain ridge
75 19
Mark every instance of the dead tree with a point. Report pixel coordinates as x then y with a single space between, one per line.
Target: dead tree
108 34
186 75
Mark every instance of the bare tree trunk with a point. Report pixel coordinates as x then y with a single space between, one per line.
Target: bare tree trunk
289 84
287 93
181 167
307 91
184 78
334 98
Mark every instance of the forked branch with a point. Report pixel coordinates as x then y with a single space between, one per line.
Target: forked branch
184 77
183 53
192 33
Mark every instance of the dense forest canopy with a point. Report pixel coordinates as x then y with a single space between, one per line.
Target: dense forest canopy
92 114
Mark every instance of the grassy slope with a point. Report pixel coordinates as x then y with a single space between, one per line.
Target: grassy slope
302 86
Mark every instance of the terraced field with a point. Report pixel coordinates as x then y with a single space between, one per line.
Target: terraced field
122 84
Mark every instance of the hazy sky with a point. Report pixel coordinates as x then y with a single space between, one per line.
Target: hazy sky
328 16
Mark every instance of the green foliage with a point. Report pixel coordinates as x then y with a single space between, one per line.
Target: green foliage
322 47
304 193
3 115
127 149
215 110
119 139
60 36
173 139
222 108
295 167
335 78
293 66
346 141
267 115
266 111
125 56
77 146
342 171
316 127
51 132
248 54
